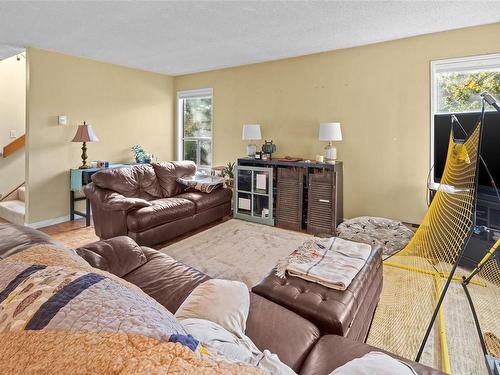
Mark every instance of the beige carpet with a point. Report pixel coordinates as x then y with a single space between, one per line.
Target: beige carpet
237 250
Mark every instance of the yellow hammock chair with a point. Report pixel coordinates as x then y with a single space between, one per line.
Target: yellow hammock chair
422 272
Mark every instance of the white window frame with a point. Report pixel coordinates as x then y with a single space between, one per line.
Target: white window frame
450 65
181 95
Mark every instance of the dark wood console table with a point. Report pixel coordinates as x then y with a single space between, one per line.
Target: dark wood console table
319 188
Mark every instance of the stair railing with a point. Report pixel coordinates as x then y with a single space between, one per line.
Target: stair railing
13 146
4 197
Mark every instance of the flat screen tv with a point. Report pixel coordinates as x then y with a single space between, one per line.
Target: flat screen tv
490 148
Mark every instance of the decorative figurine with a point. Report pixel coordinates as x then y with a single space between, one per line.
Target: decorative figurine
269 148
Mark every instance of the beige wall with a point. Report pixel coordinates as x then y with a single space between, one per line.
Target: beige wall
125 106
380 93
12 117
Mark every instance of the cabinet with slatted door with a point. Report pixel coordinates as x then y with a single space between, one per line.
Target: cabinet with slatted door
290 198
321 210
308 195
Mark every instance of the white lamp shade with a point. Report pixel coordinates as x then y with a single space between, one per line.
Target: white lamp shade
251 132
330 131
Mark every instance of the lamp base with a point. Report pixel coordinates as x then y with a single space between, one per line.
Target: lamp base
251 150
84 157
330 153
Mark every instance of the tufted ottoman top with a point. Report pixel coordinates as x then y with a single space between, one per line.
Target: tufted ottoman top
332 311
392 235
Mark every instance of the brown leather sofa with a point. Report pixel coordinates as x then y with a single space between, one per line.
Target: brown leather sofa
146 203
296 341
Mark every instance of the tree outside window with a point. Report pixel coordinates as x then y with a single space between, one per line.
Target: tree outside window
197 130
459 91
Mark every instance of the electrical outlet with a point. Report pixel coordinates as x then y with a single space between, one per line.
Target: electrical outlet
13 134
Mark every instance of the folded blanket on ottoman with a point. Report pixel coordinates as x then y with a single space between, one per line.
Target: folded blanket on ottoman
332 262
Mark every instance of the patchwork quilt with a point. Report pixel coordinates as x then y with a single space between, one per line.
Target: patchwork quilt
60 315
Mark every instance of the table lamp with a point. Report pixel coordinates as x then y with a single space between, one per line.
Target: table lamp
84 134
330 131
251 132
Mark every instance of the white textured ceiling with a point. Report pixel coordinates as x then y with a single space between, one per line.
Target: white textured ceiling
179 37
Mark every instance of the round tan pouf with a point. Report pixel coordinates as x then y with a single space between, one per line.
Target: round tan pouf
392 235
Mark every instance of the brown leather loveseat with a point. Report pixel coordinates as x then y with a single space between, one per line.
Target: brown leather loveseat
146 203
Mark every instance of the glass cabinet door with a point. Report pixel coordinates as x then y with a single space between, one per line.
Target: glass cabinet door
261 182
253 198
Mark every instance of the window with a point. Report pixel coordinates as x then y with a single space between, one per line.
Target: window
456 85
194 127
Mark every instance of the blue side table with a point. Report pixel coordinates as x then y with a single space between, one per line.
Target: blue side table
79 178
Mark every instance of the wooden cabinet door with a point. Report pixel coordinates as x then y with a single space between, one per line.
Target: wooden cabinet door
289 198
321 215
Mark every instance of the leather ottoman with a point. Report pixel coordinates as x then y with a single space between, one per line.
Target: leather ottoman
345 313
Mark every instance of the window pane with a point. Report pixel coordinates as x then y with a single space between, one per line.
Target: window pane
459 91
190 150
205 152
197 117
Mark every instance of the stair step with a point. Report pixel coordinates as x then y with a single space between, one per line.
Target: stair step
21 193
13 211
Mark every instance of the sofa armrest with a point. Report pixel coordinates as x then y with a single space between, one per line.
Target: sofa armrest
119 255
109 210
111 200
165 279
333 351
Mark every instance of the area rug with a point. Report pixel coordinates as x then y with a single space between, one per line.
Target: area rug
237 250
464 347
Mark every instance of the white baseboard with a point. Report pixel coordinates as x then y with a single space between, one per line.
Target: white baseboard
46 223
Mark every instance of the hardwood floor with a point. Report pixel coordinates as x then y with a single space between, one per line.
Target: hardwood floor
72 233
75 234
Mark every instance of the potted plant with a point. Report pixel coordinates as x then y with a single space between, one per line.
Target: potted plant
141 156
228 174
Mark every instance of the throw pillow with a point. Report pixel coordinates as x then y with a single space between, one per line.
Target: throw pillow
167 174
224 302
374 363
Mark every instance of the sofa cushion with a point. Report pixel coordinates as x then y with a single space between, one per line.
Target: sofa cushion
138 181
160 212
165 279
225 302
204 201
272 327
333 351
119 255
168 173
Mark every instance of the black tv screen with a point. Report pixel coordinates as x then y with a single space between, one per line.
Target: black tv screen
490 148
